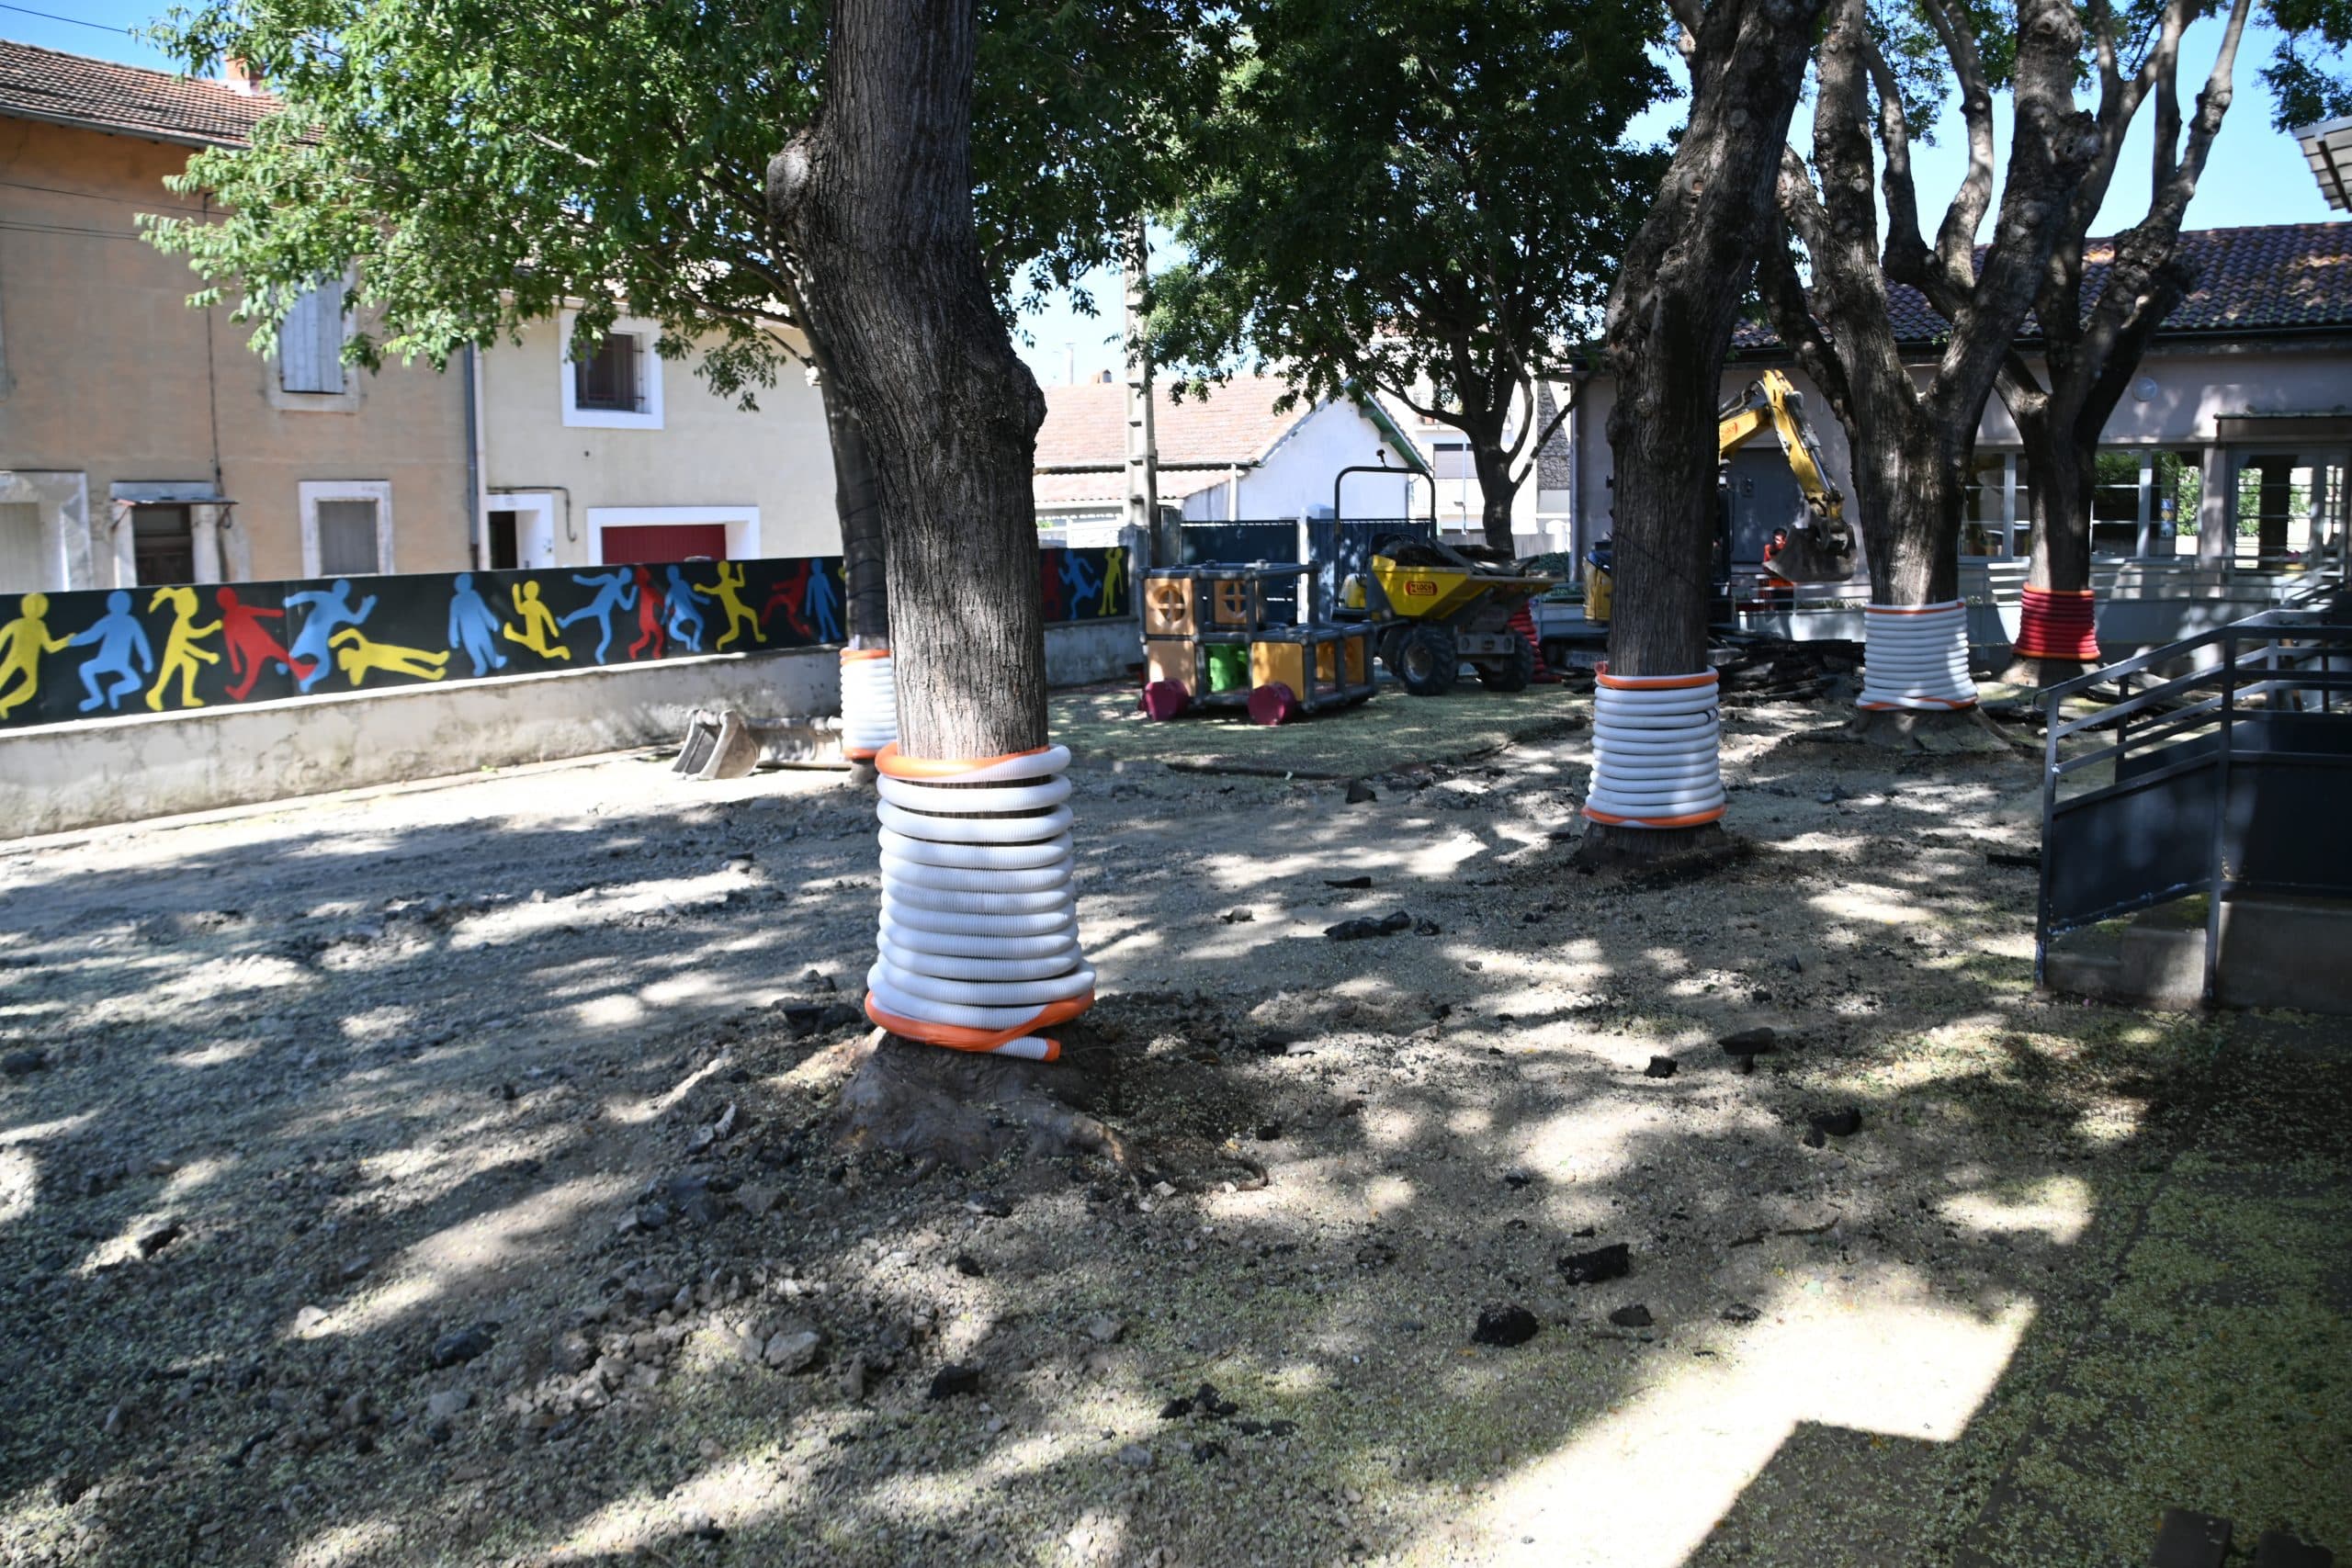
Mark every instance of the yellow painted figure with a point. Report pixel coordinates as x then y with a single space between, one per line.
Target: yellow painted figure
539 630
1114 562
181 656
739 614
356 656
22 642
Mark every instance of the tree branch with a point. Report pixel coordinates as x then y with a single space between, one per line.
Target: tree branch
1956 236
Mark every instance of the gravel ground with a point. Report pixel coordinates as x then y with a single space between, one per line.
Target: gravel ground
445 1175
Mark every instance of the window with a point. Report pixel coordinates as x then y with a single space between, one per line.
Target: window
1985 507
310 342
1450 459
20 552
346 528
162 545
607 380
616 384
348 538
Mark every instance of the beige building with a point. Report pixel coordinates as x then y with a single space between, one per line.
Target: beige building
142 441
624 455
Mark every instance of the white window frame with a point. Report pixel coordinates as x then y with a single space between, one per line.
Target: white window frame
313 492
345 402
649 370
742 525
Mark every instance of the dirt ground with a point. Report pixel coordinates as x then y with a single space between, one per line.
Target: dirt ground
444 1173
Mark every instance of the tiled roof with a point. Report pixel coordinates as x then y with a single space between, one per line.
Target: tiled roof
1086 421
2279 276
47 84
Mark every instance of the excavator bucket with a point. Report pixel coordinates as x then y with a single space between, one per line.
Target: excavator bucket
1811 556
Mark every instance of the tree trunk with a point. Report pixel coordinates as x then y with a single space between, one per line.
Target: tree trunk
876 199
2062 469
1496 490
1671 321
857 502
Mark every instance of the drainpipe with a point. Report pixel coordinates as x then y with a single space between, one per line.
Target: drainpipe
476 495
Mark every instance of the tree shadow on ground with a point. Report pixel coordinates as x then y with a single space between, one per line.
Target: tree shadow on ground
517 1115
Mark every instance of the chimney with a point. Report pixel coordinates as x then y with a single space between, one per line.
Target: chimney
238 76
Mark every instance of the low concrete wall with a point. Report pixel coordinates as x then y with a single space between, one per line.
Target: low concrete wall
59 776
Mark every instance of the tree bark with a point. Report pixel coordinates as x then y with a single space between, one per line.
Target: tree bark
876 199
1497 488
1669 327
857 502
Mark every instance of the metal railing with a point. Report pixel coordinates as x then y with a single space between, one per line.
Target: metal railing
2231 778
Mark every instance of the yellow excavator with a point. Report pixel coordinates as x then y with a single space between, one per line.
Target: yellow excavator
1819 546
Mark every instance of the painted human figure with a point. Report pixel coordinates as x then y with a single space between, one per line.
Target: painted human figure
787 595
1050 590
356 657
473 626
614 591
330 611
181 656
728 589
22 642
685 620
1078 584
539 630
123 652
1115 566
649 616
822 603
249 643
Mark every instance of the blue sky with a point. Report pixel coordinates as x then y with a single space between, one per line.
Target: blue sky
2255 175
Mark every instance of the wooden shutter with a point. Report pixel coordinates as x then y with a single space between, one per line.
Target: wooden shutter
310 342
348 538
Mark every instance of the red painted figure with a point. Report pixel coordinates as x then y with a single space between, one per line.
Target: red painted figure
649 616
250 644
787 595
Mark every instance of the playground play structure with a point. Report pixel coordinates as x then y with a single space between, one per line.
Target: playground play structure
1211 639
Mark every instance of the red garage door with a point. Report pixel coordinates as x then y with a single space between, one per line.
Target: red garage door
655 544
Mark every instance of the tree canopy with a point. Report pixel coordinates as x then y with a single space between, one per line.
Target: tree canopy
1425 197
481 163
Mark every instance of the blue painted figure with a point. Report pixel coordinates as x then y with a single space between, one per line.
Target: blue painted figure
123 652
685 620
614 592
820 605
330 611
473 626
1078 584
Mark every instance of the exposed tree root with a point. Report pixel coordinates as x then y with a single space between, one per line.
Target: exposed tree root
2036 673
1672 852
1936 730
966 1109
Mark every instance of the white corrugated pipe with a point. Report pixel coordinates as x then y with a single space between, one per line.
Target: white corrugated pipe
979 921
1656 751
1915 655
869 702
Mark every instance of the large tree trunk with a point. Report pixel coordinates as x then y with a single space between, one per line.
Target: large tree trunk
876 201
1671 321
2062 469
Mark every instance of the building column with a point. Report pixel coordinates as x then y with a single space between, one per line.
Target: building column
2214 519
204 524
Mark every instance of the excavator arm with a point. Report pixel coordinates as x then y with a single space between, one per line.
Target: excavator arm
1821 547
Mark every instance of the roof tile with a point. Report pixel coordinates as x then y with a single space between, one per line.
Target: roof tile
47 84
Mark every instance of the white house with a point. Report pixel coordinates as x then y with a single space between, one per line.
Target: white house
1540 511
623 456
1230 456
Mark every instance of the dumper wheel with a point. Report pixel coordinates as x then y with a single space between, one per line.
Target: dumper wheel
1512 671
1426 660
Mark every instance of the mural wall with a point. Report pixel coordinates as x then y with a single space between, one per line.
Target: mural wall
129 650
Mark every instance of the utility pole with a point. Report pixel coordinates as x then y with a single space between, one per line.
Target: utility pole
1143 453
